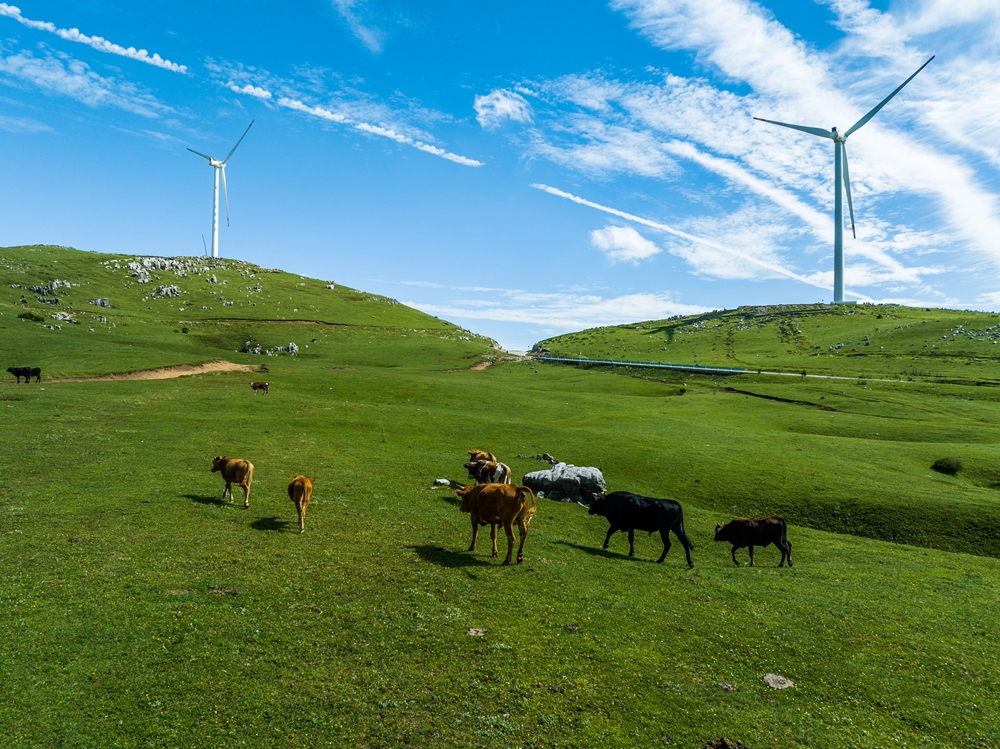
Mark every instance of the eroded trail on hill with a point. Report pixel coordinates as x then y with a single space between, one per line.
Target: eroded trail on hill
165 373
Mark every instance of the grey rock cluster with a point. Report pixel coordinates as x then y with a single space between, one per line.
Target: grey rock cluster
100 302
567 482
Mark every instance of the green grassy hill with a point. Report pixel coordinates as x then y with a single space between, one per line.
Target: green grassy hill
138 609
853 340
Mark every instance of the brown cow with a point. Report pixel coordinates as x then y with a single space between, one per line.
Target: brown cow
300 491
234 471
476 455
499 504
486 472
255 386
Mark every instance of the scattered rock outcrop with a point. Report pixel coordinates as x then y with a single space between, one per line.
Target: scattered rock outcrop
567 482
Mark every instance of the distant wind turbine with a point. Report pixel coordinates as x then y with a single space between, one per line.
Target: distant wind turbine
840 157
220 166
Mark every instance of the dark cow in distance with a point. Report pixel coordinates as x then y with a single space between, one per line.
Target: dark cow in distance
255 386
631 512
27 373
756 532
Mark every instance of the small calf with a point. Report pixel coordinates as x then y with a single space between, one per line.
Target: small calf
300 491
234 471
476 455
259 386
756 532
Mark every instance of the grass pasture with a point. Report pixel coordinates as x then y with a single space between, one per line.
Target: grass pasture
138 609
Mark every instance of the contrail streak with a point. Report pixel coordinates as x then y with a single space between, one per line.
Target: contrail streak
781 270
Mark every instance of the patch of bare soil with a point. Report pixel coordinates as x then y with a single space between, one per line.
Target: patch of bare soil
481 366
166 373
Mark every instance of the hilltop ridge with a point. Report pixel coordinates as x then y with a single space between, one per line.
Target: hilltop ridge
864 340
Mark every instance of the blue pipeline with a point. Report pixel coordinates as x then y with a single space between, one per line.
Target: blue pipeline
702 368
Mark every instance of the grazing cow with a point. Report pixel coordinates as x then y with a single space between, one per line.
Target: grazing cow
255 386
756 532
300 491
631 512
234 471
27 373
499 504
489 472
476 455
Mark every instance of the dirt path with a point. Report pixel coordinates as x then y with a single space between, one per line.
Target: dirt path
166 373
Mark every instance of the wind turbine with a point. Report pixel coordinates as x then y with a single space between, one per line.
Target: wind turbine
840 159
220 166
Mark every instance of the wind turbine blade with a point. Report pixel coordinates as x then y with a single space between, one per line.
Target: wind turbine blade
847 185
238 142
811 130
885 101
199 153
225 191
204 244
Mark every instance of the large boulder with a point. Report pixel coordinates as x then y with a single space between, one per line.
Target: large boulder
567 482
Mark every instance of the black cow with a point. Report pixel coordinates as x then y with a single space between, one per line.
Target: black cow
27 373
631 512
756 532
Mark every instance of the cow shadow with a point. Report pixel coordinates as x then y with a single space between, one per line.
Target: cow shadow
205 500
273 523
452 559
597 551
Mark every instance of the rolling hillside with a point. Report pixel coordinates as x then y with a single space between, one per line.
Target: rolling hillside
140 609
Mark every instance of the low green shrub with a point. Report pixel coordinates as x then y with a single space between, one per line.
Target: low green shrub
950 466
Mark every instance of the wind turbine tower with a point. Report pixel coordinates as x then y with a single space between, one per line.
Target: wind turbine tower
841 176
220 166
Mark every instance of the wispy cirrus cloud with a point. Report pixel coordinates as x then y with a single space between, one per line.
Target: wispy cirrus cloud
343 106
353 12
23 125
927 146
561 311
97 42
65 76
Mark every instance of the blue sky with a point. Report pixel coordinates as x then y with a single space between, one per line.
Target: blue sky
520 168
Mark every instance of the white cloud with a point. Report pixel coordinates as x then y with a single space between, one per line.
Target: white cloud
369 35
499 105
97 42
566 311
710 245
255 91
345 106
383 132
68 77
623 244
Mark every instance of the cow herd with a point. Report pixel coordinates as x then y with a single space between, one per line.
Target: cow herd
494 501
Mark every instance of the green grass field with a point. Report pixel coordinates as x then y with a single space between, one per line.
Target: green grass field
139 610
